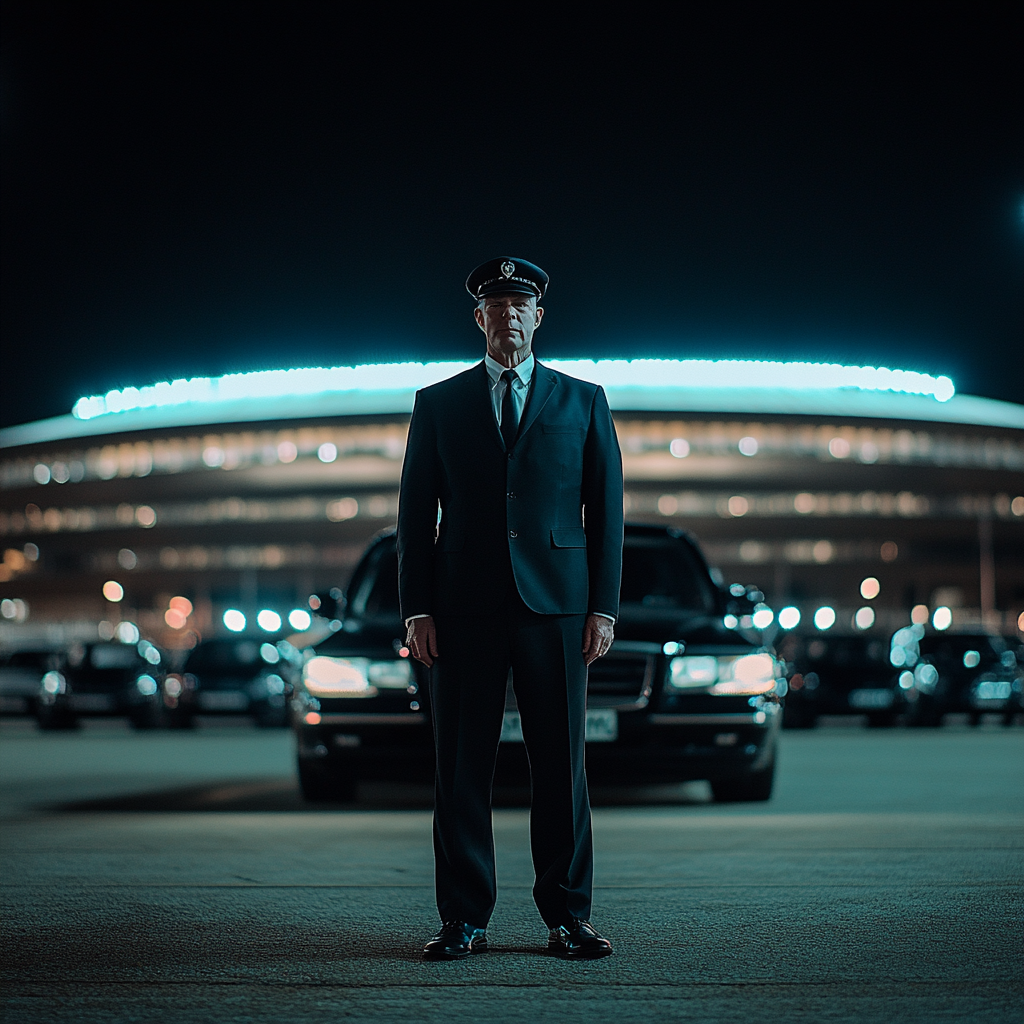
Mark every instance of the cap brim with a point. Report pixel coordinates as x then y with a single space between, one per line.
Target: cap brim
508 288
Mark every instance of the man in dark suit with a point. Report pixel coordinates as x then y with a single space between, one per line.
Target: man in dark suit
510 556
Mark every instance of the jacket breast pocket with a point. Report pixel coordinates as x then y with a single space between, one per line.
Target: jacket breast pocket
569 537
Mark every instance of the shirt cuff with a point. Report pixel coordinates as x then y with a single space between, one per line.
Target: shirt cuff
605 615
409 619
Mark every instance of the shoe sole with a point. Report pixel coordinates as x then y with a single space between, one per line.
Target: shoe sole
565 954
441 955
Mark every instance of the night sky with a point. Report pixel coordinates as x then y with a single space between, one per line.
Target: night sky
201 188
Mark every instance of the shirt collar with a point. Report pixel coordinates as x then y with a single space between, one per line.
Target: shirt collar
524 371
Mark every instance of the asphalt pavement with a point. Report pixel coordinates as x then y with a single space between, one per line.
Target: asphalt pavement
178 877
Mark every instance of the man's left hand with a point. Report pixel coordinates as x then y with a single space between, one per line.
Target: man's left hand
598 634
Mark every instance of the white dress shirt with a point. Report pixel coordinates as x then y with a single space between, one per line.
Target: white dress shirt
523 374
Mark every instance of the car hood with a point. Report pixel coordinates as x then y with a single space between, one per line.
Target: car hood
692 628
362 636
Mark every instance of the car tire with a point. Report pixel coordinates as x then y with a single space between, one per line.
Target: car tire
322 786
925 718
884 720
798 718
51 721
145 721
177 721
754 787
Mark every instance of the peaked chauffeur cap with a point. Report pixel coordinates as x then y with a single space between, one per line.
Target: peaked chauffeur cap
507 275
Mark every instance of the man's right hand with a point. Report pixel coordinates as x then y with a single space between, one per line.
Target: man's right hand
421 639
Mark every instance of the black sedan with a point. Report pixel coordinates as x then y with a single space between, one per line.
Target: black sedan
236 676
21 678
102 680
680 695
833 674
972 673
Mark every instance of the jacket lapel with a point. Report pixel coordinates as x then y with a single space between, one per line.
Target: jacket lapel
543 384
478 403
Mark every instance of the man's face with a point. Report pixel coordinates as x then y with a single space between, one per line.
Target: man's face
508 321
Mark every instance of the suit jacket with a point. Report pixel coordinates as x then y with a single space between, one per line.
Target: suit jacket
552 504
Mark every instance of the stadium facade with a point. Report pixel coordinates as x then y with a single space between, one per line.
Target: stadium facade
253 492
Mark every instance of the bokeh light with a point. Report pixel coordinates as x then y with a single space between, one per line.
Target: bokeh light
825 617
942 617
113 591
865 618
300 619
789 617
919 614
269 620
869 588
234 620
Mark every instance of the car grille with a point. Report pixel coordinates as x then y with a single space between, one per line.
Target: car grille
622 678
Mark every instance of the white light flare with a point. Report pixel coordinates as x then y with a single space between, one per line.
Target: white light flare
691 374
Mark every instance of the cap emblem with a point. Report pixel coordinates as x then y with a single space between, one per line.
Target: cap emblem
508 268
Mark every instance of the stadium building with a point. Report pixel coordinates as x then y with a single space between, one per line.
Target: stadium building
253 491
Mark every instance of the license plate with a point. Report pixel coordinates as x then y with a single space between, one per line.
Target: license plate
602 726
871 698
226 700
91 702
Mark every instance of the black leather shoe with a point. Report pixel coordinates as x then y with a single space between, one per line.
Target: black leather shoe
455 941
579 940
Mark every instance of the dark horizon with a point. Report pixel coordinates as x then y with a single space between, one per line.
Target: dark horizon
191 194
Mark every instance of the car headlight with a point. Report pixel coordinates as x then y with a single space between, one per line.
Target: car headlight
146 685
693 671
745 675
926 677
354 677
54 682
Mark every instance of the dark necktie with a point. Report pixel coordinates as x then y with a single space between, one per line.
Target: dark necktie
509 426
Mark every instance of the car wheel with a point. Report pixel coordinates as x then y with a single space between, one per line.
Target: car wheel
176 721
272 719
322 786
925 717
145 721
798 718
882 721
56 721
755 786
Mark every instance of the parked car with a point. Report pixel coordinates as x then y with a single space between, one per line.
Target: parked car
21 676
102 679
236 676
976 673
678 697
835 674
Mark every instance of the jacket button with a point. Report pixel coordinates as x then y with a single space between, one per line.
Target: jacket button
511 494
513 534
510 455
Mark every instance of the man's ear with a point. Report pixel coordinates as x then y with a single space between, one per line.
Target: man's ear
540 316
478 315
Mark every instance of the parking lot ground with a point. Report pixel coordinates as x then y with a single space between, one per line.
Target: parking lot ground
178 877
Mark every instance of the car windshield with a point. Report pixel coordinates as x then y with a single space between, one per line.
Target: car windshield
848 651
662 572
222 655
375 593
956 645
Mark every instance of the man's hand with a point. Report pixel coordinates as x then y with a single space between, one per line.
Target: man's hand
598 634
421 639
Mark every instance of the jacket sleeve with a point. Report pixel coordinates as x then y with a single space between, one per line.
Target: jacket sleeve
602 508
417 514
